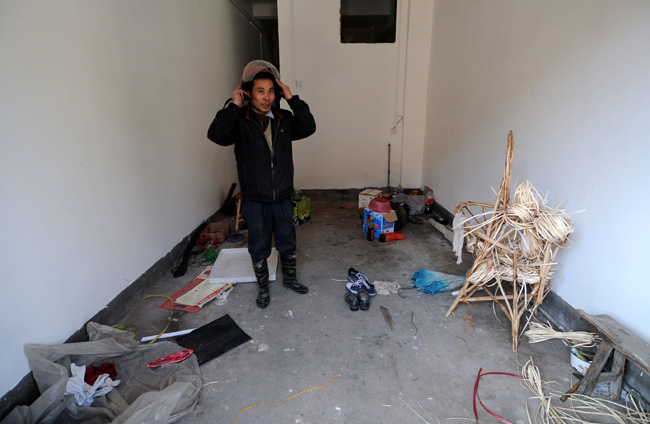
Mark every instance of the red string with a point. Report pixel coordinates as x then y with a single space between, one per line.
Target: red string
489 265
467 319
476 396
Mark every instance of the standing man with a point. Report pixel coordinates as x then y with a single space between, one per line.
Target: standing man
262 134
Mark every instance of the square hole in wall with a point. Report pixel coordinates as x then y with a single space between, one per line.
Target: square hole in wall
368 21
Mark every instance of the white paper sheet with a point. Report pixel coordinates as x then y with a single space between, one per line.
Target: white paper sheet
235 266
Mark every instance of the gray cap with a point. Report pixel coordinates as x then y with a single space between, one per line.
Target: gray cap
257 66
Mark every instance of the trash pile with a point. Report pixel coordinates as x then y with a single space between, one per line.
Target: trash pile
141 395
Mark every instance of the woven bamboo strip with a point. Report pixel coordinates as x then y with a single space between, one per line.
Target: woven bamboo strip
514 242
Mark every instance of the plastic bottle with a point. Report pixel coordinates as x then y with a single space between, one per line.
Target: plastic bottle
369 229
210 253
428 199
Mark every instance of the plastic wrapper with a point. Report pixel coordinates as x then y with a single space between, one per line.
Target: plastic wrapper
432 282
416 203
145 395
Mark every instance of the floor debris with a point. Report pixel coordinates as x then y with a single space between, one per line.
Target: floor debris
387 317
414 411
288 399
199 292
214 339
385 288
234 266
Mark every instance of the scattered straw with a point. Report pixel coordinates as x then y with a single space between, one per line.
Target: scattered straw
579 408
409 407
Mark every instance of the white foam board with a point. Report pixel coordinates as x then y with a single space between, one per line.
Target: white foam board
235 266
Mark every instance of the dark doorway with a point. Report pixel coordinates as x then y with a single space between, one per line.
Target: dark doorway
263 16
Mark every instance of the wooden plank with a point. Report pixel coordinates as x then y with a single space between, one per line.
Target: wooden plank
597 364
489 299
628 344
618 369
602 329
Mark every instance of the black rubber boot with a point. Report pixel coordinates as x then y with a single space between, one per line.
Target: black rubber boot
289 280
352 300
364 301
262 275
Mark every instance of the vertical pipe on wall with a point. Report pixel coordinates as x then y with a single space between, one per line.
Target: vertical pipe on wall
402 56
293 44
389 190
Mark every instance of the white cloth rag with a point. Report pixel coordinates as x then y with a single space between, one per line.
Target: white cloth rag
459 233
85 393
386 287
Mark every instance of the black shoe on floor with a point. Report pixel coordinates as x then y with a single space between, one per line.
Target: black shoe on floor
364 301
358 283
352 300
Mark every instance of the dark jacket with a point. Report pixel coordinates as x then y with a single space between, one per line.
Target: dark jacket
263 178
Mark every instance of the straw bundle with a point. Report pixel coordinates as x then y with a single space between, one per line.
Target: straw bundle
580 409
540 333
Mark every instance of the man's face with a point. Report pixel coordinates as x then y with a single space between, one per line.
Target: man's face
262 95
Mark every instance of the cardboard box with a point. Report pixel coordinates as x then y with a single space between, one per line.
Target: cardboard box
381 222
301 211
216 231
365 197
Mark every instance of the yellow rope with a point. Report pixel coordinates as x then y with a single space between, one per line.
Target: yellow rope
171 315
292 397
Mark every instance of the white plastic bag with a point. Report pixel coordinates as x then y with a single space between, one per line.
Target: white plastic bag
145 395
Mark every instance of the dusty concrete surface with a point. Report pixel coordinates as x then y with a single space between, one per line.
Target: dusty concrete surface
422 370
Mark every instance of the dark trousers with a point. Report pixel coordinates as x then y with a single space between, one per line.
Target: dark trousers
265 220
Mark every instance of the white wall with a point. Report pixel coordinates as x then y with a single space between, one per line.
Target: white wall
571 80
104 160
417 52
355 92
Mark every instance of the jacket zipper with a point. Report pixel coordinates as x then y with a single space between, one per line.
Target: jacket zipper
277 130
275 137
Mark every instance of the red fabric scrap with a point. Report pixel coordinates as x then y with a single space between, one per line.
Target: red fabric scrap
93 372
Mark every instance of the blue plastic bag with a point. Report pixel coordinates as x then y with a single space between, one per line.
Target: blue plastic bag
432 282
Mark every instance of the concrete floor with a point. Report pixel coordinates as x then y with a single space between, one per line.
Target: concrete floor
422 370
